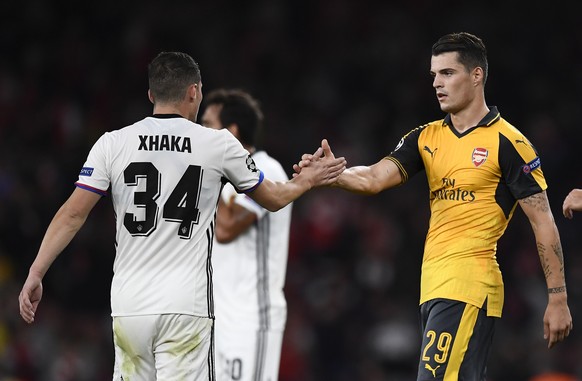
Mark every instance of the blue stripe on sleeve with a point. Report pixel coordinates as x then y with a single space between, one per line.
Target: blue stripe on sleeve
261 178
91 189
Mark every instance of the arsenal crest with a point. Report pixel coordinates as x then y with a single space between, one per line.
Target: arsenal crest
479 156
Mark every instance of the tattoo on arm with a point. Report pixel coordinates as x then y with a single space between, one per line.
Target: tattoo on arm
543 259
558 251
556 290
538 201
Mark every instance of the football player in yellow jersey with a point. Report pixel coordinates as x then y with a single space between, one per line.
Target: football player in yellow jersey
479 167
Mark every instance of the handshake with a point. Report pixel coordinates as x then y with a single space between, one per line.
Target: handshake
321 168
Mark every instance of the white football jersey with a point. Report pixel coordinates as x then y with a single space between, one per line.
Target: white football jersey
164 174
249 272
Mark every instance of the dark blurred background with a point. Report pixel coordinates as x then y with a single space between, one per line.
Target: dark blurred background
355 72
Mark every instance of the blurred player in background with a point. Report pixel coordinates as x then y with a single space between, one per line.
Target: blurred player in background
164 174
250 255
479 167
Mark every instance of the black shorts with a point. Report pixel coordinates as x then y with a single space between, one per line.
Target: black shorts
456 339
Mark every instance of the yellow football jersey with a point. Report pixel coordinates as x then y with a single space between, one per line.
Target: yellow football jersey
475 179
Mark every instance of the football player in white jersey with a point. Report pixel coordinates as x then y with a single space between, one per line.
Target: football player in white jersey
164 174
249 256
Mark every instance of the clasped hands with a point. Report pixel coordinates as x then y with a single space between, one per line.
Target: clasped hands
322 164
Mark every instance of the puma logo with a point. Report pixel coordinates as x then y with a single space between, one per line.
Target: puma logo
433 371
429 151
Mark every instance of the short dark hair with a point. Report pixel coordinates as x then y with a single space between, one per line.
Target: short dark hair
170 74
471 50
240 108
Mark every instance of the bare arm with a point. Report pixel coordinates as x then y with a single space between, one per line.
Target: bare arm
572 203
557 319
232 220
360 179
370 179
65 224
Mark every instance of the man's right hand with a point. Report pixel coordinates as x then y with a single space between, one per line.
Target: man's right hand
323 162
307 158
30 297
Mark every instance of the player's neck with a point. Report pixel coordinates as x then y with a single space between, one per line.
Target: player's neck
469 117
169 109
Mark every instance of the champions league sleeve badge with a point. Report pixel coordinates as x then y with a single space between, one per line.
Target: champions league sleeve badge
531 166
86 171
251 164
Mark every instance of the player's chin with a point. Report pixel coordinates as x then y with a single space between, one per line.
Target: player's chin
446 107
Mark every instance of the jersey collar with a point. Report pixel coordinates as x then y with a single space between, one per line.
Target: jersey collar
167 116
491 117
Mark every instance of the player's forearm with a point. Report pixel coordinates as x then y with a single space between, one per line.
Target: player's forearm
59 234
538 211
551 257
290 191
359 179
274 195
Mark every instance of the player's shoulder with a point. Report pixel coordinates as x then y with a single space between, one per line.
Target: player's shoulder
426 129
508 129
122 133
432 126
438 123
512 139
130 129
512 135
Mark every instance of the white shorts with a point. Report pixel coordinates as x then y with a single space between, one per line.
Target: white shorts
248 355
163 348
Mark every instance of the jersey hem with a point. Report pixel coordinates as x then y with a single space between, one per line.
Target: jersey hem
116 314
491 311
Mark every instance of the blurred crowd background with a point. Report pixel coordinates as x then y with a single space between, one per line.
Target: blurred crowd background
355 72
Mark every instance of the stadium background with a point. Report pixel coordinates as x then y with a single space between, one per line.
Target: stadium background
353 72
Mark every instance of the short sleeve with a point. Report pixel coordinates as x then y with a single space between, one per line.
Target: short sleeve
239 167
94 175
520 167
406 155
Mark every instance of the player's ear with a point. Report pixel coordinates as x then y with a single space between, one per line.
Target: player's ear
150 96
193 92
478 75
